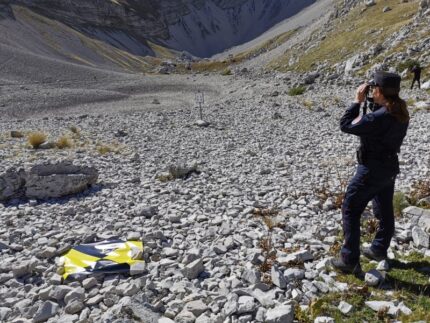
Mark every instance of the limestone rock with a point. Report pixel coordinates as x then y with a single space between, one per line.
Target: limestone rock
46 310
420 237
373 278
194 269
280 314
58 180
11 184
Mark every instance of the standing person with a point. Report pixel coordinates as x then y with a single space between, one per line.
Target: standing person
381 134
416 69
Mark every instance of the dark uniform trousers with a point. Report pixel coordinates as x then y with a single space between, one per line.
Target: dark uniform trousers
368 184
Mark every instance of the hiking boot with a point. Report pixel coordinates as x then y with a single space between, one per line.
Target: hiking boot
339 264
370 254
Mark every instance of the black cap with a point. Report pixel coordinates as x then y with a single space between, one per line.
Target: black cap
388 81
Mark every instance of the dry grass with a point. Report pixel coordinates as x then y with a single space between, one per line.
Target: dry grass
351 35
64 142
105 149
420 190
35 139
226 72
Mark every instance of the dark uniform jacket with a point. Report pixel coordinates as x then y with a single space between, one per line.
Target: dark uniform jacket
381 136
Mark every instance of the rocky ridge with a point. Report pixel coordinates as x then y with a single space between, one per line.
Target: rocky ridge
201 28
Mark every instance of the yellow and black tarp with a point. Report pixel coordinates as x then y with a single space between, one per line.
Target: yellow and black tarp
105 257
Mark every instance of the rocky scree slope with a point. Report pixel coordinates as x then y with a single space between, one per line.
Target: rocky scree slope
210 256
201 28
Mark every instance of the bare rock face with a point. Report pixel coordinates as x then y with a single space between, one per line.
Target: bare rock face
46 181
58 180
196 26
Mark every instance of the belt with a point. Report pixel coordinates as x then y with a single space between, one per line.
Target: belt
363 156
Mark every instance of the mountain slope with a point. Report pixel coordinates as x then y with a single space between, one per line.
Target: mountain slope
199 27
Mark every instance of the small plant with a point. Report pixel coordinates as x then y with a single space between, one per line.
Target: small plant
226 72
63 142
420 190
298 90
35 139
16 134
308 104
399 203
408 64
74 130
104 149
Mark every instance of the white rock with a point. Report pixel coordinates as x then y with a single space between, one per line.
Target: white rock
194 269
344 307
420 237
196 307
324 319
404 309
380 305
426 85
46 310
185 317
373 278
383 265
280 314
278 278
246 304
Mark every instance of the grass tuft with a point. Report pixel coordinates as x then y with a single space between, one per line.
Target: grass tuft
104 149
298 90
226 72
35 139
64 142
399 203
74 130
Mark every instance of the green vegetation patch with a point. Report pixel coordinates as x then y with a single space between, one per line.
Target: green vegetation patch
298 90
399 203
407 281
352 34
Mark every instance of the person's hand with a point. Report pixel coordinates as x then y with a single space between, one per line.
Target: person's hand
360 95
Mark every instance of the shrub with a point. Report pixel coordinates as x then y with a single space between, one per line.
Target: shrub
16 134
103 149
298 90
308 104
399 203
420 190
74 129
408 64
226 72
64 142
35 139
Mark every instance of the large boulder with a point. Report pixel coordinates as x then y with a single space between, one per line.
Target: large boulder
58 180
11 184
46 181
